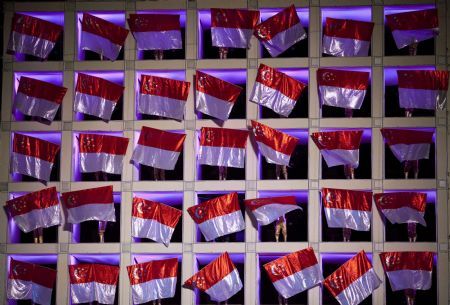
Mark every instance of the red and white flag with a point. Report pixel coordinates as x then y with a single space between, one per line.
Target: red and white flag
219 279
295 272
101 153
163 96
232 28
281 31
33 157
214 96
218 216
153 220
90 204
268 210
38 98
422 89
93 282
344 37
33 36
35 210
347 208
408 270
156 31
402 207
275 90
408 144
276 146
354 281
96 96
222 147
158 148
342 88
28 281
153 280
339 147
412 27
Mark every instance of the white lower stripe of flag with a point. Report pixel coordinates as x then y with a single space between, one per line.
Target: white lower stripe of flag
341 97
23 290
99 45
290 285
421 98
411 151
352 219
31 166
231 37
345 46
151 229
268 213
93 105
155 157
335 157
34 106
285 39
404 214
26 44
93 291
222 225
226 287
273 156
154 290
213 106
360 289
222 156
162 106
405 38
409 279
166 40
39 218
273 99
93 211
101 162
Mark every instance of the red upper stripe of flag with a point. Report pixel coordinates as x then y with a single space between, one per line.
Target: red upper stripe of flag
279 141
165 87
345 28
216 87
347 199
101 27
154 270
154 22
98 195
256 203
160 212
415 20
234 18
87 273
40 89
343 79
100 87
161 139
423 79
276 24
394 261
223 137
406 136
34 147
32 272
341 139
32 201
36 27
97 143
414 200
215 207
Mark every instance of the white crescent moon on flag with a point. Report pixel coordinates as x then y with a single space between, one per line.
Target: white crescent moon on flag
264 75
327 76
273 270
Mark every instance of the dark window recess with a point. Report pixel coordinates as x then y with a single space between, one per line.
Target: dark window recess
23 117
90 55
55 55
394 168
328 55
392 106
54 175
103 177
142 116
298 165
212 173
147 173
300 109
50 236
363 112
210 52
89 230
335 234
364 170
299 49
425 47
168 54
116 115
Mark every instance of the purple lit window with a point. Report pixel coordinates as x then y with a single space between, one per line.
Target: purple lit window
359 13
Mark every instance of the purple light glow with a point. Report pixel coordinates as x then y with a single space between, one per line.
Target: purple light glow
234 76
366 137
40 259
388 10
55 17
168 198
303 14
107 259
144 258
298 74
206 258
390 73
359 13
301 134
300 196
428 129
339 258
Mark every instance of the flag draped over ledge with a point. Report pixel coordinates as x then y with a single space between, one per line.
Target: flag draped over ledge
402 207
268 210
408 144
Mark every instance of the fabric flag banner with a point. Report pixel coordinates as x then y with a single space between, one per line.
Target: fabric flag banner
268 210
214 96
281 31
158 148
101 36
153 280
28 281
219 279
163 96
295 272
93 282
232 28
408 144
342 88
408 270
153 220
276 146
413 27
33 157
347 208
344 37
354 281
222 147
35 210
156 31
339 147
33 36
38 98
422 89
276 90
402 207
218 217
90 204
101 153
96 96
